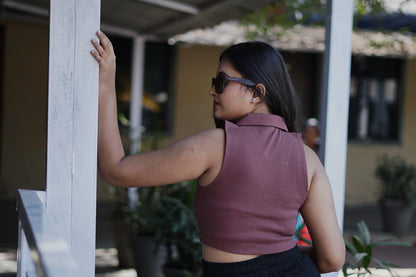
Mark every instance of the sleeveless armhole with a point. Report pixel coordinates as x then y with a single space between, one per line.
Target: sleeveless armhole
224 158
304 165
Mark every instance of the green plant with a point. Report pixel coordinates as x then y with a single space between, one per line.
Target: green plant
397 179
147 216
361 248
179 231
288 13
165 213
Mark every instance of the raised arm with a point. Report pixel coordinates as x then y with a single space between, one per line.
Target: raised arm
318 212
186 159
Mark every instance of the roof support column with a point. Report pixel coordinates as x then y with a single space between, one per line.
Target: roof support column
136 103
335 97
72 126
136 98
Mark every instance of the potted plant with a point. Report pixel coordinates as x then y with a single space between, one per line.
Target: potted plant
397 180
361 248
148 216
180 233
165 235
120 228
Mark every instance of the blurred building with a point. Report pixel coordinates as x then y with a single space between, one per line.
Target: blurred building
177 81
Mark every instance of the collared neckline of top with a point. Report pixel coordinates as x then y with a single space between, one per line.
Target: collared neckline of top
263 119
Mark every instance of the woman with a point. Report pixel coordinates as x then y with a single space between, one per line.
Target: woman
254 173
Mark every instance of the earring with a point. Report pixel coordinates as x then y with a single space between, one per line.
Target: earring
254 99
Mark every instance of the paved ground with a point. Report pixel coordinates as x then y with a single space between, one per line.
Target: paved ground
106 255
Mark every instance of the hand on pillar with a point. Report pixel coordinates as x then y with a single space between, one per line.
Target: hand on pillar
104 55
110 148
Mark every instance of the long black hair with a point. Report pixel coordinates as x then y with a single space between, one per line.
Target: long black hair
263 64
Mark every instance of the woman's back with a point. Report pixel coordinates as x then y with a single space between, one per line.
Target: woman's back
252 204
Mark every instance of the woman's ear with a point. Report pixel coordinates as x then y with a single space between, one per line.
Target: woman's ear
261 90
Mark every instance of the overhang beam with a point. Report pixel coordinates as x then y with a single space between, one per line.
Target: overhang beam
174 5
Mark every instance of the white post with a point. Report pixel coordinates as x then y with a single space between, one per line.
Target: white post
72 126
136 98
136 103
335 97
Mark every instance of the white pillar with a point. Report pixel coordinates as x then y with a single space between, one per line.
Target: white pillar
136 97
72 126
136 103
335 97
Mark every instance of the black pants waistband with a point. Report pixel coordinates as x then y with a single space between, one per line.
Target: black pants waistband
289 263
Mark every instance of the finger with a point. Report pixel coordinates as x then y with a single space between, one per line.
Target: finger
105 41
98 47
96 56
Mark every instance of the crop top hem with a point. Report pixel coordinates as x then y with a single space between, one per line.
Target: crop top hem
268 249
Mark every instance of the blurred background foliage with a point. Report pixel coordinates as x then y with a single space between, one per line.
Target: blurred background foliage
288 13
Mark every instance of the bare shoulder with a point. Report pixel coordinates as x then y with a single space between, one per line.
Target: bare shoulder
207 139
216 134
208 145
310 155
313 163
212 142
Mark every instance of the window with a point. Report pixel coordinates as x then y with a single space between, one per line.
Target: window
157 96
375 98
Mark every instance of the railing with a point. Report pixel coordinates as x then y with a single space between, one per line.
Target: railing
42 250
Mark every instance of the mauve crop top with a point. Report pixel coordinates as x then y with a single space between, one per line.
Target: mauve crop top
252 205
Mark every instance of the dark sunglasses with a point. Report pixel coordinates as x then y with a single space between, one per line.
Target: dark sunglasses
220 81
